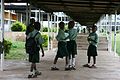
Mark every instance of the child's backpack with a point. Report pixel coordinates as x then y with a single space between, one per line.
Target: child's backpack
31 45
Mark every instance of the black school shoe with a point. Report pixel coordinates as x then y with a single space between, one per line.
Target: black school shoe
86 65
93 66
38 73
68 69
32 76
73 68
54 68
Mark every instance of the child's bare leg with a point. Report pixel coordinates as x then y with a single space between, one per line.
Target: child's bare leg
54 64
94 60
66 60
55 60
89 57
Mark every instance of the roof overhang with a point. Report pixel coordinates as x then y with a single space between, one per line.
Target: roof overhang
86 12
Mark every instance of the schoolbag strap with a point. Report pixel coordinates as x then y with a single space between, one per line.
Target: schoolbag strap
35 34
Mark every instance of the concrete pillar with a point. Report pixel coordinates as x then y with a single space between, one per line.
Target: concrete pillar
110 34
48 16
27 21
115 32
9 22
57 24
54 25
51 31
21 18
2 34
29 13
39 15
41 19
36 17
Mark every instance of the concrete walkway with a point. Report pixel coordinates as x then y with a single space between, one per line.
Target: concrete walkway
108 68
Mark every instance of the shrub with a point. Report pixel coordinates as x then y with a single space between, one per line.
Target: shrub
7 46
18 26
45 37
117 32
45 29
54 29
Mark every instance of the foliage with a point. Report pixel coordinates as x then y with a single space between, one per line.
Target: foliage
45 37
45 29
54 29
7 46
117 43
18 26
17 51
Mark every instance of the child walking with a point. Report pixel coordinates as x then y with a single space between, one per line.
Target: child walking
62 46
92 49
71 44
34 57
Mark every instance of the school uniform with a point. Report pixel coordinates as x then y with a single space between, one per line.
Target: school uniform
62 44
93 40
34 58
71 45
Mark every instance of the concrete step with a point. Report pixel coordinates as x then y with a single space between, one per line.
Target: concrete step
86 43
81 39
99 48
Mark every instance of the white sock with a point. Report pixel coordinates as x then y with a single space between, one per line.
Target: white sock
31 73
73 62
54 65
88 63
70 62
67 65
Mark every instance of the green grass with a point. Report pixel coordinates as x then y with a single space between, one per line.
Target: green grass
117 42
17 51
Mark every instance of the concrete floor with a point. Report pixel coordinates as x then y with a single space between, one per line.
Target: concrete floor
108 68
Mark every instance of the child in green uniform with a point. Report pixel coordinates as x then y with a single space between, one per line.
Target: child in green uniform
92 49
34 58
30 27
71 45
62 46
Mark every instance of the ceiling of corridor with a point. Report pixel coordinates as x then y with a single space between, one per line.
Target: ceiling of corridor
86 12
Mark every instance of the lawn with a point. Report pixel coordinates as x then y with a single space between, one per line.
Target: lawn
117 42
17 51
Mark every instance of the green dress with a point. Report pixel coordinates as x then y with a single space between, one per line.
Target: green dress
93 41
62 44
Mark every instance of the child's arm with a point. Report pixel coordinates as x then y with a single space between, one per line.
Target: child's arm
42 50
95 40
66 36
40 41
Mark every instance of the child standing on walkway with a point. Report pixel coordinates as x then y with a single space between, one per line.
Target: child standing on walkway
62 46
71 45
92 49
34 57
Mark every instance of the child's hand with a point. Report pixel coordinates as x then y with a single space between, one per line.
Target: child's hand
42 53
89 39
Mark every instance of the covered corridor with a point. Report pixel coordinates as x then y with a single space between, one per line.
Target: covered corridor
108 68
86 12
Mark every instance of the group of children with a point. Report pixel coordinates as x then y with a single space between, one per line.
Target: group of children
67 46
